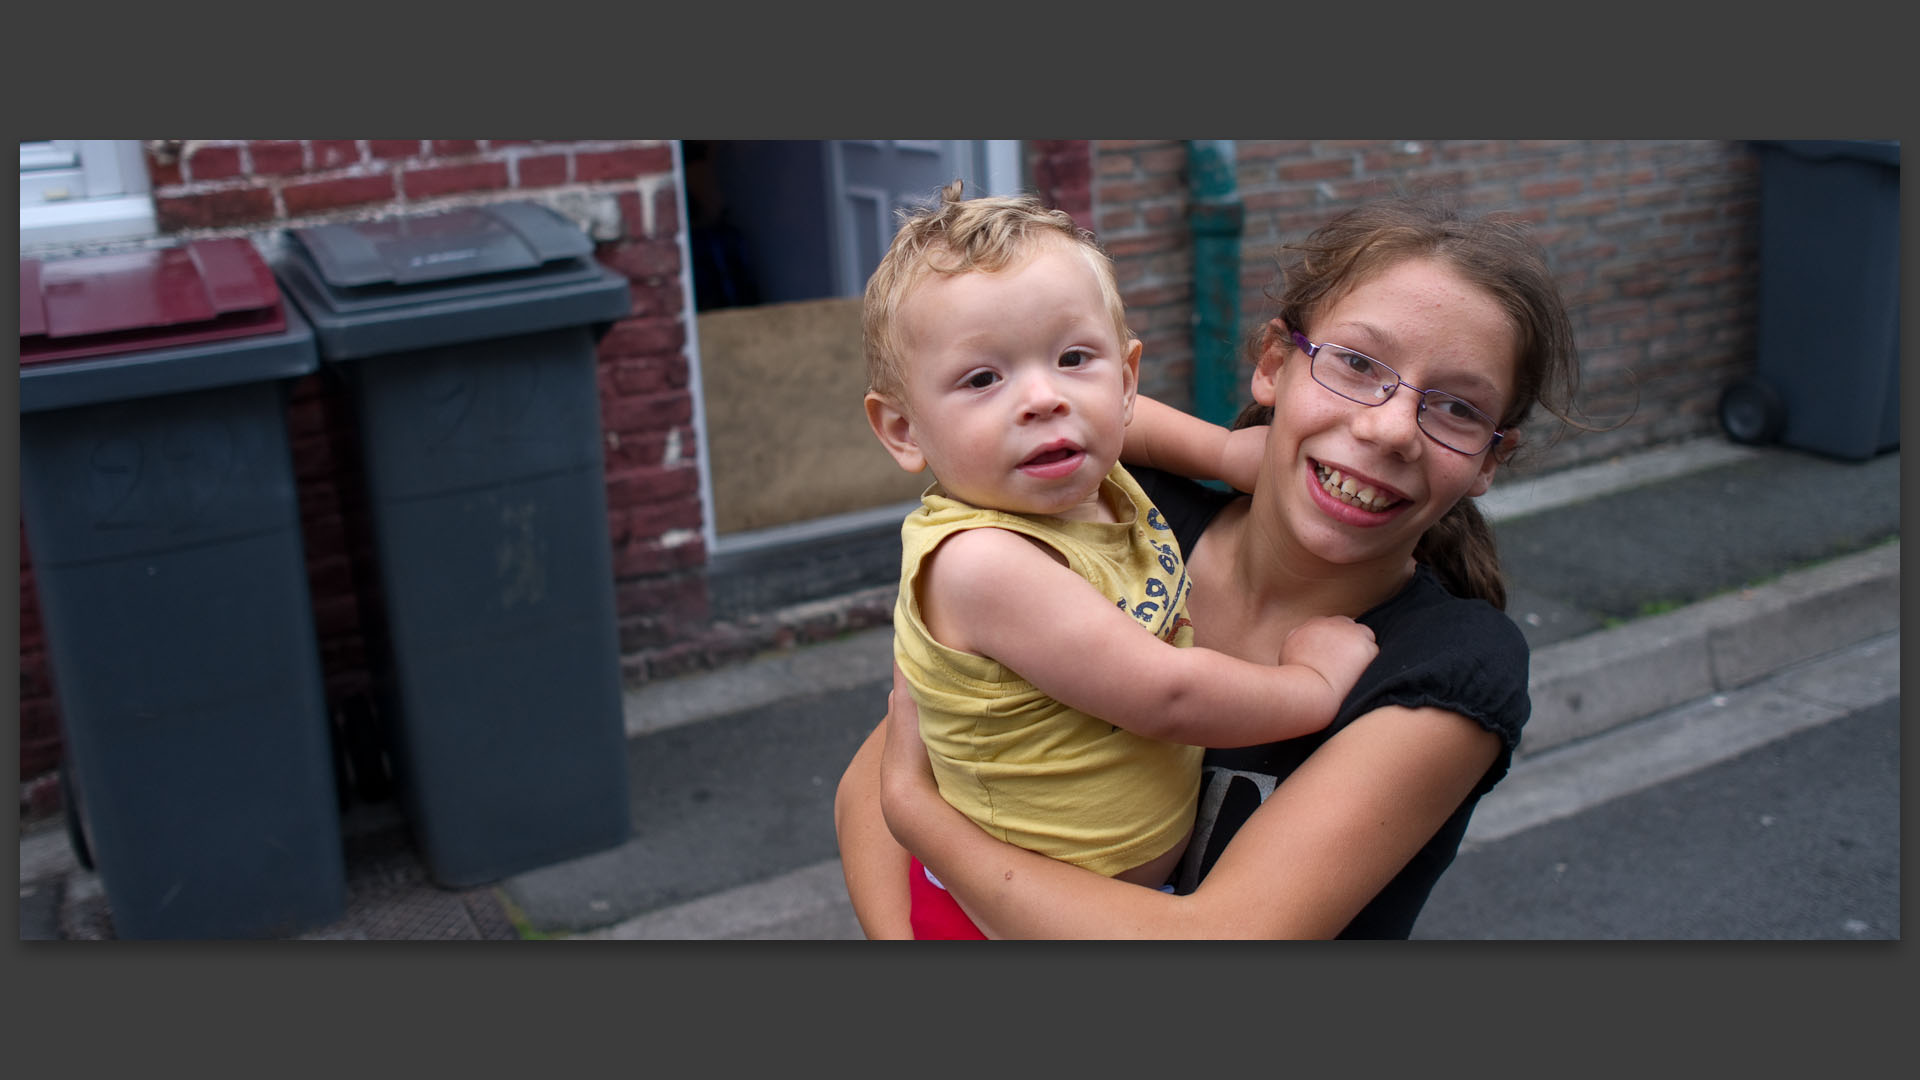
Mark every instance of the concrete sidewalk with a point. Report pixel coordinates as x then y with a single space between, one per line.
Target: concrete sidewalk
1664 594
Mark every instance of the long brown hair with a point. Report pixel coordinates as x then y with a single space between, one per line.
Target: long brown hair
1491 252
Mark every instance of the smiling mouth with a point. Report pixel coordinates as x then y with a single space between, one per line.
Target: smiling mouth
1351 491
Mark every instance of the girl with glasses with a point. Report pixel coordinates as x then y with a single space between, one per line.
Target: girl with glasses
1406 349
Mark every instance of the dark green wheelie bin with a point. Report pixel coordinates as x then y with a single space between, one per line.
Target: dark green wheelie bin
157 492
467 340
1827 376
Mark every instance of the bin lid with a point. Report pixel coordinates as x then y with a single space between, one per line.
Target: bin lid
464 243
400 284
95 305
1873 151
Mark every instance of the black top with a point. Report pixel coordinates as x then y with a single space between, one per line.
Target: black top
1435 649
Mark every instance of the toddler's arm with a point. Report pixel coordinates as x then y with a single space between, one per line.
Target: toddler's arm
998 594
1165 438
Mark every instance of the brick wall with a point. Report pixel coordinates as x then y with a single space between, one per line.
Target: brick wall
1654 244
624 193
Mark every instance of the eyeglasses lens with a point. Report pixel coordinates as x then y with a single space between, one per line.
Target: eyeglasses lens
1448 420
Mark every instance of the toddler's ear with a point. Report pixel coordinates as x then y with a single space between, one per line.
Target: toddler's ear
895 431
1131 369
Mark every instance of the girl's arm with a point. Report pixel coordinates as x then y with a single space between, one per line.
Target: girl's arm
874 863
1324 844
999 594
1163 437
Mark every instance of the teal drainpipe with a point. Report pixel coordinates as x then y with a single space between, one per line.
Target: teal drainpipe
1215 214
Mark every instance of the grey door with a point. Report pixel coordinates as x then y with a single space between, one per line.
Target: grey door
868 180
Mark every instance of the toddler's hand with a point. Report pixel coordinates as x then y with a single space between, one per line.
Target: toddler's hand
1333 645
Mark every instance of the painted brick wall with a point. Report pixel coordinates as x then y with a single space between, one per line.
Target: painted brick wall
1654 244
623 192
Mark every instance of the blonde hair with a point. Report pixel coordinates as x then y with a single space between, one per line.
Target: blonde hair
963 236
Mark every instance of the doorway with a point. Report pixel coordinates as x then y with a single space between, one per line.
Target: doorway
782 236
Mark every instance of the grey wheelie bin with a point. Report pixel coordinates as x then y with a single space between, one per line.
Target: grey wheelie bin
157 492
1827 377
468 342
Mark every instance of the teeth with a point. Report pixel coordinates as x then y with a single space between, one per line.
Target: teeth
1350 490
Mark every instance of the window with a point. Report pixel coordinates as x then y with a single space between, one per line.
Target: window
82 190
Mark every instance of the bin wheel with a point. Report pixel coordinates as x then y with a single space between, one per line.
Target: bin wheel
70 808
1752 412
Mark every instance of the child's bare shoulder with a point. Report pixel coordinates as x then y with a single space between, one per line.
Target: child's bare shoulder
972 557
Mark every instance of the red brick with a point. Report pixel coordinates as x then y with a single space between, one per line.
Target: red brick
666 213
646 449
387 149
326 539
641 337
546 170
657 296
277 158
39 757
647 413
449 179
633 223
685 594
1587 208
1397 156
1324 169
642 260
35 683
212 209
1127 246
163 168
597 165
455 147
212 163
39 718
652 374
335 615
335 153
1373 187
642 557
637 522
643 486
1552 189
319 195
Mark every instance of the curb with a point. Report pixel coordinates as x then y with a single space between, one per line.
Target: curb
1643 753
1713 646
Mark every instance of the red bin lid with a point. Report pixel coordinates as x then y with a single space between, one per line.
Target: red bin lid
94 305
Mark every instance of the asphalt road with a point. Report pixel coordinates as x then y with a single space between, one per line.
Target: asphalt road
1796 839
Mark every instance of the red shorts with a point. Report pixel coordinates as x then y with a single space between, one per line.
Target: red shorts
935 914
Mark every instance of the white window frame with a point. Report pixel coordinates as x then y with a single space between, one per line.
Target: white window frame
83 190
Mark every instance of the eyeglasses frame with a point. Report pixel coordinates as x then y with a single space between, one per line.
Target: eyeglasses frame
1312 350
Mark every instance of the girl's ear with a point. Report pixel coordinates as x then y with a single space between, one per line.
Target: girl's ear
1275 342
895 431
1130 372
1496 457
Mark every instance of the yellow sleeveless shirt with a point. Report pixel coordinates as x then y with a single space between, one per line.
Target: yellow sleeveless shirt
1025 767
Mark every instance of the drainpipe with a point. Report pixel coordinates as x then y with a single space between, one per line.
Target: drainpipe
1214 215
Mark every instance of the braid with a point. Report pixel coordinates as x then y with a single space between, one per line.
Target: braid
1460 550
